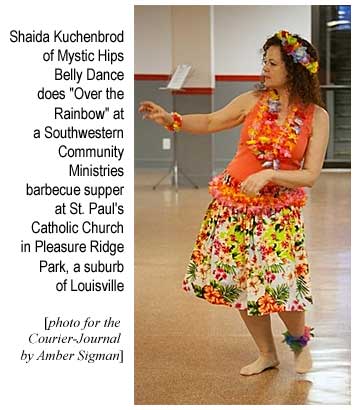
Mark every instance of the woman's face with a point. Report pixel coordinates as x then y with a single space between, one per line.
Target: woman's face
274 71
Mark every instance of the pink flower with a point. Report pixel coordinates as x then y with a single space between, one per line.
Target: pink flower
269 276
220 273
296 306
307 331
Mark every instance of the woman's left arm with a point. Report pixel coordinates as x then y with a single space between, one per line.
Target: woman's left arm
313 161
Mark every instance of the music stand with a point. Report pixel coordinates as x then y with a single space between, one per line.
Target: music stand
175 84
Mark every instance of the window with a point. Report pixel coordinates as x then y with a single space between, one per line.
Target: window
331 34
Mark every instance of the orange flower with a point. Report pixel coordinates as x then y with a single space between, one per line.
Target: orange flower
196 256
214 296
243 281
267 304
301 270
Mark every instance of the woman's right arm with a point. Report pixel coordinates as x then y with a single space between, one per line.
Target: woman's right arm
230 116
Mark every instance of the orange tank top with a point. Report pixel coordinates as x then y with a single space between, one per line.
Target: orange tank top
246 163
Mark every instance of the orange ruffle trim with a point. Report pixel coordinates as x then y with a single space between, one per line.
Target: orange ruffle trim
272 197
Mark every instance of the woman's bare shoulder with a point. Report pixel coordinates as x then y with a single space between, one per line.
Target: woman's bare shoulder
321 116
249 99
320 123
320 113
252 95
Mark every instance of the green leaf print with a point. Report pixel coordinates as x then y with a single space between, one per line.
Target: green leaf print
276 268
280 294
253 308
301 287
230 292
191 271
270 290
215 284
197 290
252 235
228 268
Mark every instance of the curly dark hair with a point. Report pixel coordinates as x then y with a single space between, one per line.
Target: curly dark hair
301 83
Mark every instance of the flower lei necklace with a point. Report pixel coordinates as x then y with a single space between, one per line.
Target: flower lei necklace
271 142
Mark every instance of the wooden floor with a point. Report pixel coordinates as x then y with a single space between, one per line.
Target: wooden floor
190 352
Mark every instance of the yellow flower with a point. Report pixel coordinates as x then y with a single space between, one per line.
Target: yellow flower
313 67
264 140
292 137
273 96
291 40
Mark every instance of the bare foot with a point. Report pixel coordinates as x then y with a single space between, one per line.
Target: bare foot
303 360
263 362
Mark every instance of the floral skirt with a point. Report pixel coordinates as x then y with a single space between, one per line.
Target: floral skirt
251 261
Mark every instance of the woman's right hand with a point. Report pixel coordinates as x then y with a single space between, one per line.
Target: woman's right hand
156 113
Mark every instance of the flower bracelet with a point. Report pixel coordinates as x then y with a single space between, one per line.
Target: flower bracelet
176 124
297 343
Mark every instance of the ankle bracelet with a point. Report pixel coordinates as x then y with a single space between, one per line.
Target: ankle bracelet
296 344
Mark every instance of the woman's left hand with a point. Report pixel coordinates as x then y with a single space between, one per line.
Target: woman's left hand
254 182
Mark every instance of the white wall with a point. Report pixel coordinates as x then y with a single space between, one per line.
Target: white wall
192 28
239 33
152 40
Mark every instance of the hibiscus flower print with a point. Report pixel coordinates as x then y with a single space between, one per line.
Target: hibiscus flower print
301 270
203 270
220 274
296 306
269 276
226 259
267 304
272 259
213 296
289 276
255 284
252 263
